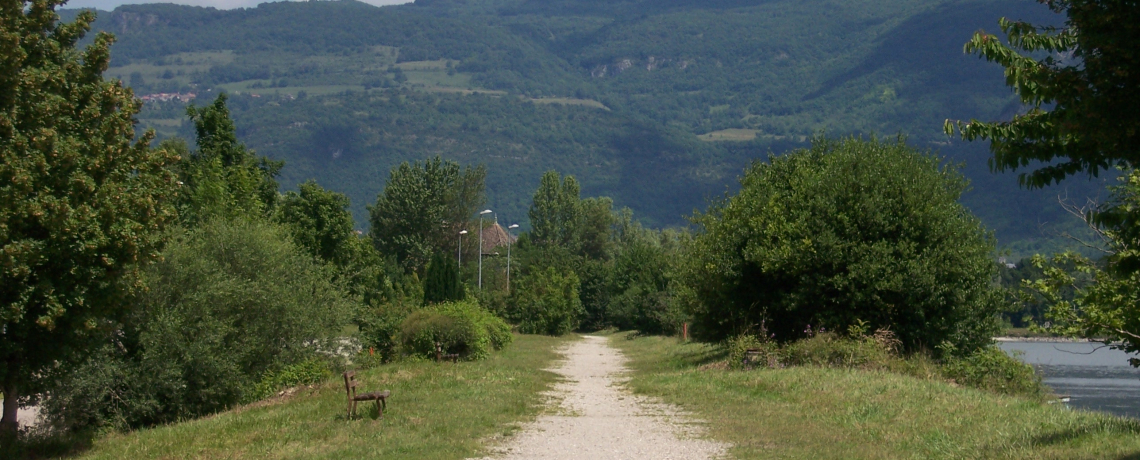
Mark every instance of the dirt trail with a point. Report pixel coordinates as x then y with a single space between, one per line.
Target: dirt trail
598 419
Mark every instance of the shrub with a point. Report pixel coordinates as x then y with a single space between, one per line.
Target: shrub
546 302
307 372
831 350
739 345
227 303
380 326
988 368
991 369
459 327
850 229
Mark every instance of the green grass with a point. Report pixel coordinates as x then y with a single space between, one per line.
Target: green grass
837 413
186 63
435 411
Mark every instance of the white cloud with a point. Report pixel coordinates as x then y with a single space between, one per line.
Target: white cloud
108 5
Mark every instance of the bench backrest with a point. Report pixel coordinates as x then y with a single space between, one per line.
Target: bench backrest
350 383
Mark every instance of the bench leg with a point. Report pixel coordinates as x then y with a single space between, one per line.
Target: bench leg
378 409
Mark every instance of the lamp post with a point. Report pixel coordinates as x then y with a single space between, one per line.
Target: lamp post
461 233
509 257
481 214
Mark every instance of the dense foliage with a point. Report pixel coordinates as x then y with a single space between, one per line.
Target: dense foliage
1081 93
422 209
222 177
82 204
229 301
320 222
1081 96
547 302
463 328
441 281
850 230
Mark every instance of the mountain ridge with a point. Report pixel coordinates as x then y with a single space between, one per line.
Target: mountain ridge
768 74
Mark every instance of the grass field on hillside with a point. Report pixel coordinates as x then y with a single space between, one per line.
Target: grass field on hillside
436 411
814 413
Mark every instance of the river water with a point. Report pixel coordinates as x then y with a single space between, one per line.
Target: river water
1094 377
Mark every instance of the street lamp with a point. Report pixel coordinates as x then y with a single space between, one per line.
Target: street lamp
461 233
481 214
509 257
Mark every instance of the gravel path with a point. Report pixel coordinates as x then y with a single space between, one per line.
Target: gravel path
598 419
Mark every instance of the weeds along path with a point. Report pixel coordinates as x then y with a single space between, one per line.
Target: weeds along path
598 418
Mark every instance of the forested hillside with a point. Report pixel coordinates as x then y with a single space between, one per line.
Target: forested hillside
659 104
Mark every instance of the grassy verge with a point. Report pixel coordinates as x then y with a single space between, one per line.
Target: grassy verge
807 412
436 411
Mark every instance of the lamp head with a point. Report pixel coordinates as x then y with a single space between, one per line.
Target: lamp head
514 226
464 232
487 211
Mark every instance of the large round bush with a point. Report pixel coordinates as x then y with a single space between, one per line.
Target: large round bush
459 327
849 230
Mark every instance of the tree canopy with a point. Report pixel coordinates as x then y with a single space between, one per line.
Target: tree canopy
320 222
1081 92
423 207
224 178
82 205
851 230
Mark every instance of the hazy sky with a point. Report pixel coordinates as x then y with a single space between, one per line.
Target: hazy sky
108 5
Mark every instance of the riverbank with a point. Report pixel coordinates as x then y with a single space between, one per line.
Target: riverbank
1041 339
809 412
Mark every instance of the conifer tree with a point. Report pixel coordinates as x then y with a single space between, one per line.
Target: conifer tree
441 283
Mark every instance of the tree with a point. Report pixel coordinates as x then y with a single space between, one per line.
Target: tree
230 300
441 282
595 235
1087 299
1082 95
82 207
546 302
224 178
556 212
320 222
1086 84
642 283
560 217
423 207
851 230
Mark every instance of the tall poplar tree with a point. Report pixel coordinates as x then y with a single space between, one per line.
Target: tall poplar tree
82 206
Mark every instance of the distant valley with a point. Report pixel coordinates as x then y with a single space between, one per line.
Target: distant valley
658 104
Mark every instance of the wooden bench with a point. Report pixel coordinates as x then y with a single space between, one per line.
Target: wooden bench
440 355
750 358
380 397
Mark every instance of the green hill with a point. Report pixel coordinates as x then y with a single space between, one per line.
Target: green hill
659 104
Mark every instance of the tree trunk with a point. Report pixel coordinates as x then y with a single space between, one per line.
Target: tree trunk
9 424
